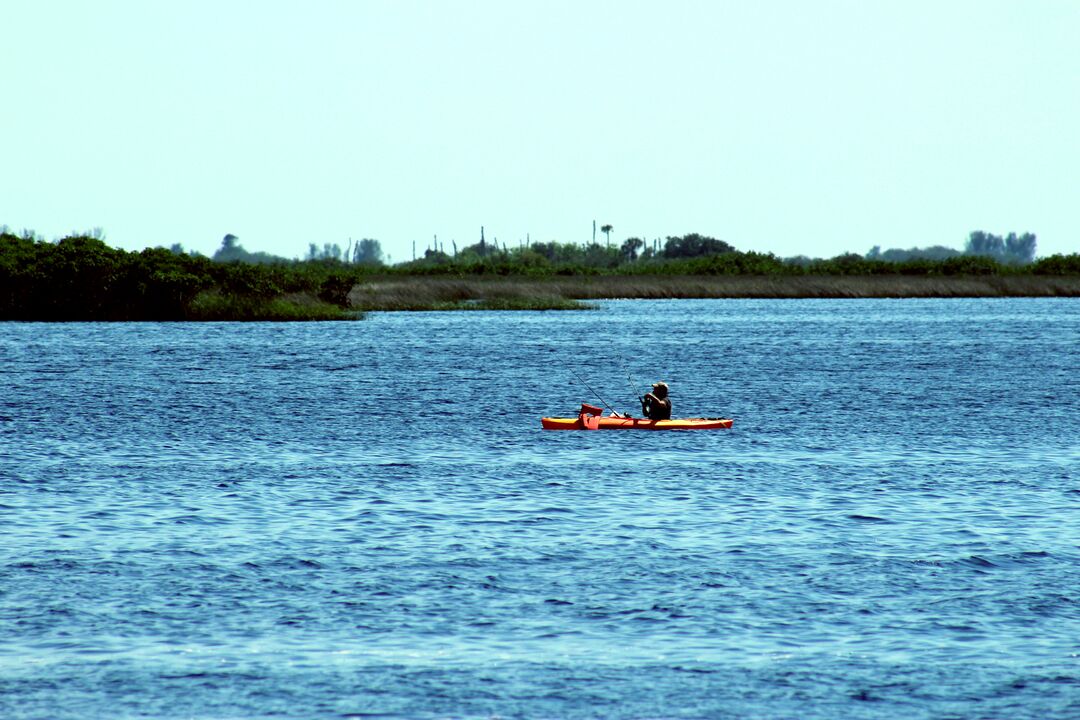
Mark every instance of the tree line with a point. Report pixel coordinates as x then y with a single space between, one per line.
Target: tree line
634 255
82 278
1011 249
694 254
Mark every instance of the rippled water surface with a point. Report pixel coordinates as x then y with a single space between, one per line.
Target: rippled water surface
365 519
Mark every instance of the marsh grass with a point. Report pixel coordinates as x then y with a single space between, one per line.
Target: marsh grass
561 293
213 305
440 293
514 304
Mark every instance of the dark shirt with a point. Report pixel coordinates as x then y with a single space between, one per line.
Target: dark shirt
655 408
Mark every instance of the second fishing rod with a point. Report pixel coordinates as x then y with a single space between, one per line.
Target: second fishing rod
633 386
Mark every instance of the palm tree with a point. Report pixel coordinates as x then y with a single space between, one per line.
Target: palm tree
606 229
630 248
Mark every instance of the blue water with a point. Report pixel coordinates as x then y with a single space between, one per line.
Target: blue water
366 520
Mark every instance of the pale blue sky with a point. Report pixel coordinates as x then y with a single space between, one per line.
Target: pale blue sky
780 126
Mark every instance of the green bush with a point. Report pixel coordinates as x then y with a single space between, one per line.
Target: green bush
81 278
1058 265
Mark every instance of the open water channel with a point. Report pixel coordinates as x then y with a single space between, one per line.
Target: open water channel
366 520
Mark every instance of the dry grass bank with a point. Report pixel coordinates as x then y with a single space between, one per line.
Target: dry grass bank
441 293
425 293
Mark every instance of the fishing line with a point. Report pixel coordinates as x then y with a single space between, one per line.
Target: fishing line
591 390
633 383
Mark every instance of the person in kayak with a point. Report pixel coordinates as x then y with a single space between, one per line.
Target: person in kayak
656 405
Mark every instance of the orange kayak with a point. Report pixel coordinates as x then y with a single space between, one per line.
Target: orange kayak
591 417
609 422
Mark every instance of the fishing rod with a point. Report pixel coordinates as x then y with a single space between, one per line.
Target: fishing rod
633 383
592 391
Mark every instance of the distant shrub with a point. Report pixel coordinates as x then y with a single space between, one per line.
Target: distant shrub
695 245
971 265
1058 265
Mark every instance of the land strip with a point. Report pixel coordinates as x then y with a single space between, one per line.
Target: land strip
440 292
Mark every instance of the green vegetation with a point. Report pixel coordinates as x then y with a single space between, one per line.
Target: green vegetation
986 255
212 305
81 278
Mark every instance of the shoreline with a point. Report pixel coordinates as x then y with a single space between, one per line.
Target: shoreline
448 293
